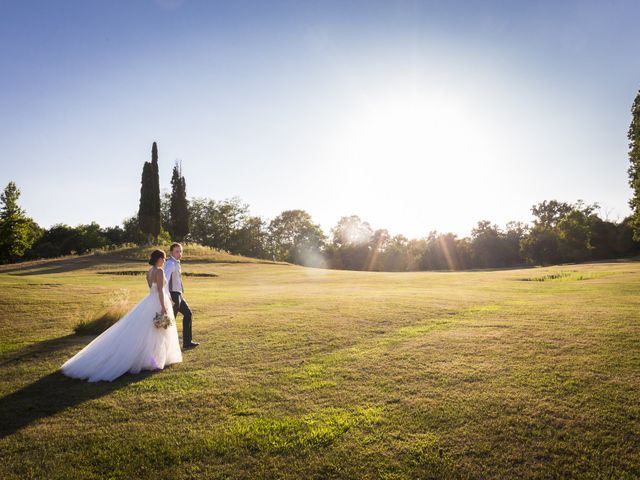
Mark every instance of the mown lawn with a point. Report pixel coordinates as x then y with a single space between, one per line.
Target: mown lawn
312 374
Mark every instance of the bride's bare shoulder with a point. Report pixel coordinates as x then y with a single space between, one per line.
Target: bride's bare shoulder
155 271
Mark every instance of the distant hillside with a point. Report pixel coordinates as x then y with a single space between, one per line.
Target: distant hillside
192 253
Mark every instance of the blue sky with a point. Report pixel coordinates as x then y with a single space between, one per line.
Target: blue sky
417 116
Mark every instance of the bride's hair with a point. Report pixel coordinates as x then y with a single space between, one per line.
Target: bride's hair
155 255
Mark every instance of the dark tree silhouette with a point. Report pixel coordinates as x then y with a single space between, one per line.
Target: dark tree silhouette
179 206
156 218
149 210
487 245
634 169
561 233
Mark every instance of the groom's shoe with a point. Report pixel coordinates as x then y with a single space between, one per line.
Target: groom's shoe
191 345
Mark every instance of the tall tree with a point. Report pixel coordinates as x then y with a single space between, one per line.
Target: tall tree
157 219
560 233
17 231
351 231
293 237
487 245
132 232
179 206
444 251
351 244
149 216
251 238
215 224
634 169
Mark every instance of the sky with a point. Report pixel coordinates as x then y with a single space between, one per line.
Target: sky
414 115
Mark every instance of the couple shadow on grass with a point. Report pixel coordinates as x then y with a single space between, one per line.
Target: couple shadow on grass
52 393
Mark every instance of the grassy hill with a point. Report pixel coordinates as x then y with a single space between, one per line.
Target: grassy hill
309 373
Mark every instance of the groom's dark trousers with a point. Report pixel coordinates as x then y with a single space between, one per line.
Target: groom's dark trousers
180 305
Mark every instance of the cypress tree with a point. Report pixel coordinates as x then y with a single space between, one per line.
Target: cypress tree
634 169
156 217
179 209
149 209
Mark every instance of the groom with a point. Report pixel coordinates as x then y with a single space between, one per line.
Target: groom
173 273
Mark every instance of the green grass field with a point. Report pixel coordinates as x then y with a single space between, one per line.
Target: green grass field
315 374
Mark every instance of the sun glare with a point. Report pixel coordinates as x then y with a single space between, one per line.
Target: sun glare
418 131
408 147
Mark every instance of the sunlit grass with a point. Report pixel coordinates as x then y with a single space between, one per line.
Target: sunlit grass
308 373
114 309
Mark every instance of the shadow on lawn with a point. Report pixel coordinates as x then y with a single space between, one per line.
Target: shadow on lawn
52 393
45 348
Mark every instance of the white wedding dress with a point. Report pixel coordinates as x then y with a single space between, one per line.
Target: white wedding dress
131 344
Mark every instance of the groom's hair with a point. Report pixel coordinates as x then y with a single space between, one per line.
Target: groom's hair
174 245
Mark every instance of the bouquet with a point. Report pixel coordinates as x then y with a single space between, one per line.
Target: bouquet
162 320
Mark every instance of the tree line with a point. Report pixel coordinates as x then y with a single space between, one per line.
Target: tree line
561 232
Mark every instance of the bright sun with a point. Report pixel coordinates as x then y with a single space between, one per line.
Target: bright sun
425 131
404 148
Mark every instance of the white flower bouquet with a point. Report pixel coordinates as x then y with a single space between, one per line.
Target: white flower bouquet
162 320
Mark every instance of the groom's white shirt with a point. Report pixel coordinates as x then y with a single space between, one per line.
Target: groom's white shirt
172 272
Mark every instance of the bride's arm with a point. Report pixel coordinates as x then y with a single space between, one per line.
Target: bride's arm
160 286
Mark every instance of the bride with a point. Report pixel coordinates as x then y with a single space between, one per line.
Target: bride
133 343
